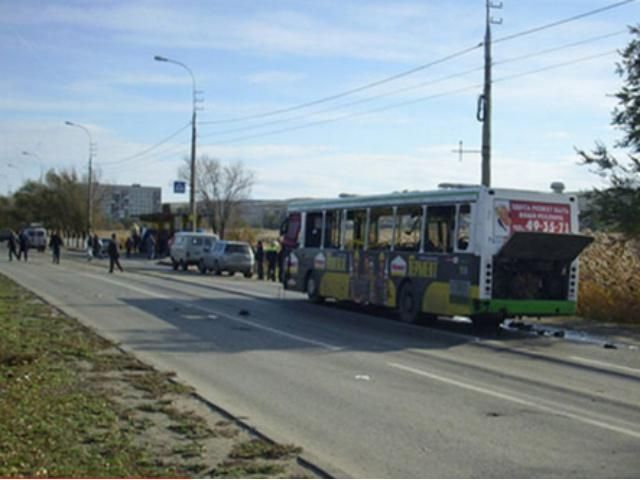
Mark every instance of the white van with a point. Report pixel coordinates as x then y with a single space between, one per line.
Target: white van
37 238
189 248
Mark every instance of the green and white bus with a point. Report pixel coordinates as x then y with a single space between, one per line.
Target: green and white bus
484 253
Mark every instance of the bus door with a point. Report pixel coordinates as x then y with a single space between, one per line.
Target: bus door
355 226
289 234
375 259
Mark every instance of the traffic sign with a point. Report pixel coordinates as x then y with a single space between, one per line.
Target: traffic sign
179 187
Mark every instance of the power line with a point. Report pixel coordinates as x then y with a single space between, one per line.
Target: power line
391 79
561 47
147 150
412 87
557 65
348 92
412 102
420 67
563 21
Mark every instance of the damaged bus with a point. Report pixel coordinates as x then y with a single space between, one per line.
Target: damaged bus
479 252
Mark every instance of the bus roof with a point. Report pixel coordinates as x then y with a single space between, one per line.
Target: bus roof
455 194
396 198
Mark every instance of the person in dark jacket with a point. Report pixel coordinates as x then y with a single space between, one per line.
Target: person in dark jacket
23 241
11 242
95 244
260 260
272 258
114 254
55 243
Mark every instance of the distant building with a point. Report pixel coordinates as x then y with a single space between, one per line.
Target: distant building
121 202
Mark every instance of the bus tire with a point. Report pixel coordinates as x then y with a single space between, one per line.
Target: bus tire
408 304
312 287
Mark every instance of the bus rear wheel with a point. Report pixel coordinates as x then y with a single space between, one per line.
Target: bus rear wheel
313 288
408 304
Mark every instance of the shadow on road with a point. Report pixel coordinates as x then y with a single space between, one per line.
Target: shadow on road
236 324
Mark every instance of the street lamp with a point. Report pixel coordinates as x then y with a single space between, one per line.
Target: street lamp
33 154
86 130
192 194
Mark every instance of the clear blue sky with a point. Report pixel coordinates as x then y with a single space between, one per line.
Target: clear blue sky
91 62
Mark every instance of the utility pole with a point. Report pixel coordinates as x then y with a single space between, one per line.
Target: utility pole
484 102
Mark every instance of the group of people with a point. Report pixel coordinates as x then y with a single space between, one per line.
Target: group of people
19 246
272 253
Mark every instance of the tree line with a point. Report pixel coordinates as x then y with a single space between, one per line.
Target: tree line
59 201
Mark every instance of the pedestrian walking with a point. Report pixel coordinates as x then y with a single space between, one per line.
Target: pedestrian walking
260 260
128 245
12 243
89 248
151 246
96 244
272 258
23 241
114 254
55 242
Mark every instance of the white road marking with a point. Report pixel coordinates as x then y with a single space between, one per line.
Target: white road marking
520 401
605 364
208 311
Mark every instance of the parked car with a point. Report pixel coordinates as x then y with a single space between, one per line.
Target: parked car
190 248
37 238
104 243
230 257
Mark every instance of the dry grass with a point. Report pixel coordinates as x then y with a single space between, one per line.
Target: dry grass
610 279
74 405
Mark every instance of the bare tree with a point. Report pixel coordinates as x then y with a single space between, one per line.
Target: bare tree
220 187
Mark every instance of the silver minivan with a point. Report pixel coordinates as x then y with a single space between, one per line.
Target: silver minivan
230 257
37 238
190 248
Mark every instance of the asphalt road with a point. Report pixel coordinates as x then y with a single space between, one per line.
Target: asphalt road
363 395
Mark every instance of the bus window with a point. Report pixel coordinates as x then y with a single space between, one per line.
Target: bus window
464 227
333 225
409 226
440 225
313 234
381 229
354 227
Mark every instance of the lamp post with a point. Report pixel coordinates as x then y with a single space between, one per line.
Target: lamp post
33 154
192 182
86 130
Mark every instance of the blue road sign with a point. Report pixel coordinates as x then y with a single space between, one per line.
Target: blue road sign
179 187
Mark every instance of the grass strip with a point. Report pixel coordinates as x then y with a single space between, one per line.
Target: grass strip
56 422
